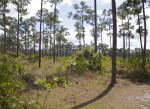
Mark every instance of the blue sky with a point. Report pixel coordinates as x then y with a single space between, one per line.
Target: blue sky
67 6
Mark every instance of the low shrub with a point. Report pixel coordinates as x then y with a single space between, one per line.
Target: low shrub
133 67
10 81
33 58
86 59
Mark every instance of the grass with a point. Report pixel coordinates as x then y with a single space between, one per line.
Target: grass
88 91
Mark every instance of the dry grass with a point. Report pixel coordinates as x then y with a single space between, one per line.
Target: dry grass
88 91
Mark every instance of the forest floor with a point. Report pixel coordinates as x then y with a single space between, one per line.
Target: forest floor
92 91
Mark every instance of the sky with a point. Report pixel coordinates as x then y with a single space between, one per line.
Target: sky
67 6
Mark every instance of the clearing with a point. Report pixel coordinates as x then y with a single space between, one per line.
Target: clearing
92 91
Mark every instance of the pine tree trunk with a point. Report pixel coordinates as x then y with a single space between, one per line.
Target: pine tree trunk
43 40
140 34
40 33
34 42
113 78
4 19
95 35
18 32
83 36
28 44
79 43
25 44
60 49
57 49
54 32
124 51
129 35
50 41
144 51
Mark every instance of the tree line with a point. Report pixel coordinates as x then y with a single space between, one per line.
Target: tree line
22 35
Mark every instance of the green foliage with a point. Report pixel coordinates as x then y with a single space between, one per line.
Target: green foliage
135 68
10 81
106 65
87 59
42 82
33 58
62 82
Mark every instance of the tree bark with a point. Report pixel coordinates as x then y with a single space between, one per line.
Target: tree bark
40 33
34 42
144 51
83 36
4 19
25 44
140 34
95 36
60 49
129 35
54 32
50 41
43 40
28 44
113 78
18 32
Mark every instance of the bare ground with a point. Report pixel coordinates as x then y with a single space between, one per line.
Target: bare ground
94 92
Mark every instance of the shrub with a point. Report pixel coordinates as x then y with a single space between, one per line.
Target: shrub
33 58
10 81
87 59
134 68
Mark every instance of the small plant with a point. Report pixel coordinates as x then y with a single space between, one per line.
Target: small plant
42 82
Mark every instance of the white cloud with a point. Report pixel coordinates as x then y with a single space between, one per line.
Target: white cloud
60 19
35 5
68 2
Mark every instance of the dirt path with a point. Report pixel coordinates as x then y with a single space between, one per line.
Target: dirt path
138 93
95 93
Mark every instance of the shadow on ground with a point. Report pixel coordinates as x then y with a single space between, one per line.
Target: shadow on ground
104 93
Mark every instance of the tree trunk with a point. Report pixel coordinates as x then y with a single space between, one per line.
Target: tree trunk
9 41
113 78
60 49
28 44
129 47
124 50
18 33
57 49
95 36
144 51
34 42
102 40
43 40
50 41
25 44
83 36
79 43
64 49
129 36
54 32
40 34
4 19
140 34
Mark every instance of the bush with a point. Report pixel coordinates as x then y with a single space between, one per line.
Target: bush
33 58
10 81
134 68
87 59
